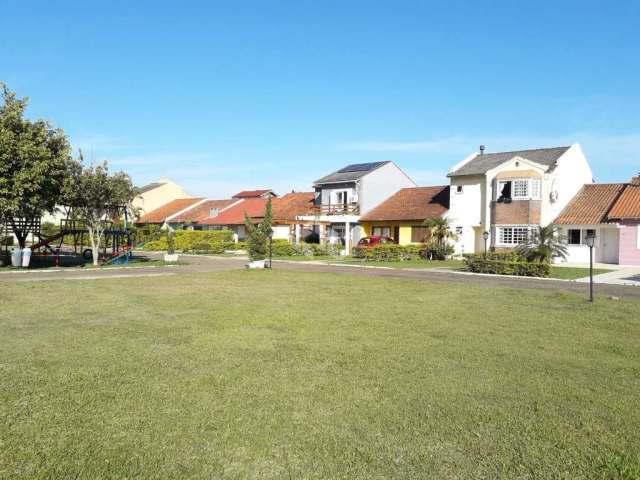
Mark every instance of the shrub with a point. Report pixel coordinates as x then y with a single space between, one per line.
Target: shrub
7 241
506 264
195 241
147 233
436 252
388 252
282 248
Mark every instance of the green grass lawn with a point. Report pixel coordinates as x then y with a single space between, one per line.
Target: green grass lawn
572 273
277 374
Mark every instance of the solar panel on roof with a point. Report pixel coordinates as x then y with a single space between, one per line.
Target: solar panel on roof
360 167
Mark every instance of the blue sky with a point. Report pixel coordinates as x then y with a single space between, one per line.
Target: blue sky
223 96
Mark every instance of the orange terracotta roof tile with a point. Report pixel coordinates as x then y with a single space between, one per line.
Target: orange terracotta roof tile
254 207
252 193
202 211
292 205
417 203
628 204
159 215
591 204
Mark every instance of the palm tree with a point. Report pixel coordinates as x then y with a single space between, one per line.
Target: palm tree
543 245
438 231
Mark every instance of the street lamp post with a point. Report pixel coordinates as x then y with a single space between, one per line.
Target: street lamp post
485 235
591 241
270 234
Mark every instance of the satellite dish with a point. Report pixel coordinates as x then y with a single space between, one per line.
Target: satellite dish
553 193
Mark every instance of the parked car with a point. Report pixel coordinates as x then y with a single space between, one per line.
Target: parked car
375 240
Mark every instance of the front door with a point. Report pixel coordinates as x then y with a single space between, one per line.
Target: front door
610 245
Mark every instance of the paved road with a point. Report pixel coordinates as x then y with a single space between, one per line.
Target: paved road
213 264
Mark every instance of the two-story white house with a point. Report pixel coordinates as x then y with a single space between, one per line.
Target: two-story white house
343 195
506 194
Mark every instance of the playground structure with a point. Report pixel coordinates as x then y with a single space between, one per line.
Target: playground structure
115 247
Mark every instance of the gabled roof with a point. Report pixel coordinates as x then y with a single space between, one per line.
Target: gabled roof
591 205
417 203
635 181
628 204
148 187
254 207
159 215
350 172
254 193
292 205
483 162
202 211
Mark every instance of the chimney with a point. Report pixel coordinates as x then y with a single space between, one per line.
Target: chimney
481 149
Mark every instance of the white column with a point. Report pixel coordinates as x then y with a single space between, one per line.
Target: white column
322 233
297 227
347 237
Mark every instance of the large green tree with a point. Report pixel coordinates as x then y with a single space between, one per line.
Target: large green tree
34 160
96 198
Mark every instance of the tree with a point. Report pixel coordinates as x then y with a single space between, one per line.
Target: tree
543 245
257 235
96 197
438 231
34 161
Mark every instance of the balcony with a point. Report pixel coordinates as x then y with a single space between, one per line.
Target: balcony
338 209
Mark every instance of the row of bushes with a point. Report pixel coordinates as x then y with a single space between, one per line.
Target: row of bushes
391 252
506 264
282 248
193 241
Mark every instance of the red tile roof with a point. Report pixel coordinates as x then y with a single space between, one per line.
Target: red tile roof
159 215
252 193
202 211
591 204
417 203
628 205
254 207
292 205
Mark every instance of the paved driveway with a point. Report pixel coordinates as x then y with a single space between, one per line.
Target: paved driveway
621 276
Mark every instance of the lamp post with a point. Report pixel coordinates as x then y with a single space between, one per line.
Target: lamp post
591 241
270 235
485 235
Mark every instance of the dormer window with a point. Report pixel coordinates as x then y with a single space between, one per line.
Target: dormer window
214 212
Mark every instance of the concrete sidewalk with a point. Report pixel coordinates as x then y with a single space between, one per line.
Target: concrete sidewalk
622 276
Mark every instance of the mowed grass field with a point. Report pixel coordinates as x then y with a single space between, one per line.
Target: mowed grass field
279 374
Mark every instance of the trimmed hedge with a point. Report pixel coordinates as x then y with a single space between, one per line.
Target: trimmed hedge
282 248
390 252
506 264
195 241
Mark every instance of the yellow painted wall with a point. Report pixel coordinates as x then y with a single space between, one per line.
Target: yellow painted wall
405 229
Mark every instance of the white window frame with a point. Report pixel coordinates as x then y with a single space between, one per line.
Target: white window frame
532 188
459 230
583 237
500 230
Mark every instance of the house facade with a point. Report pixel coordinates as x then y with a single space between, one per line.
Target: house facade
342 196
507 194
611 212
157 194
402 215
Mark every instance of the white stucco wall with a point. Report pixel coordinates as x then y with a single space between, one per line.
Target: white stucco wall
573 171
466 210
377 186
159 196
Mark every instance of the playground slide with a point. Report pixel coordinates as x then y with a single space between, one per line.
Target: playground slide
118 255
46 241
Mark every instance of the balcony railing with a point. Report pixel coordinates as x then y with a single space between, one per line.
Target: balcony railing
340 209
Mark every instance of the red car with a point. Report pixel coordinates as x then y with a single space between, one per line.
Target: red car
375 240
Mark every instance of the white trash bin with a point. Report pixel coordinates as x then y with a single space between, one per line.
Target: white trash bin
26 257
16 257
